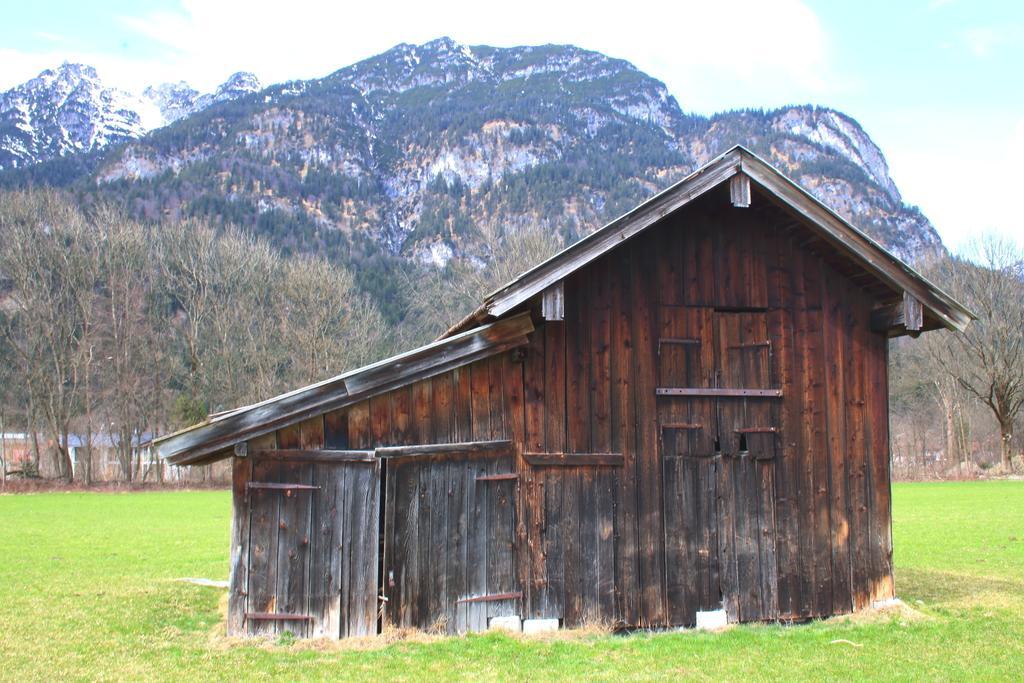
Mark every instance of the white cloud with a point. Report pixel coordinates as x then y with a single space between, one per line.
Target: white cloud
742 53
983 40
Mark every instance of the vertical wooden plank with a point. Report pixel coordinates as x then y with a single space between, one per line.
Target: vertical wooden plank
336 430
363 500
403 568
710 587
458 525
745 539
293 547
422 425
649 502
554 441
238 579
392 528
480 401
477 532
441 415
380 421
801 425
878 400
605 481
533 482
422 432
623 436
782 332
856 448
262 593
515 409
769 592
500 539
462 415
439 608
359 425
401 416
815 436
325 553
835 326
579 507
307 591
496 390
727 551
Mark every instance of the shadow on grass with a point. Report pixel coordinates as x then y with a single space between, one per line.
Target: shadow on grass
950 588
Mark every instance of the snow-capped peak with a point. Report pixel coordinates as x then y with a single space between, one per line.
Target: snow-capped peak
69 109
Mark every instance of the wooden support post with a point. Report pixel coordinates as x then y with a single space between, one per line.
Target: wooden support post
552 305
913 313
739 190
907 314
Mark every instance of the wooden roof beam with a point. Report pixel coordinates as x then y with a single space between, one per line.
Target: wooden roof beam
904 316
213 439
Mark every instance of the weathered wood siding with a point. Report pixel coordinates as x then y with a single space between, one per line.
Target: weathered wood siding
799 529
764 488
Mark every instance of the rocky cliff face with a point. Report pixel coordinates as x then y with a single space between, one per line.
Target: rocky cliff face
428 152
69 110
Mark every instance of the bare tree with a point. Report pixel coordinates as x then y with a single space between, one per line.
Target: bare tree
128 333
440 297
48 263
329 325
987 360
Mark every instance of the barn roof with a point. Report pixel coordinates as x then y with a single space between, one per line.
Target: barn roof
501 323
843 236
213 439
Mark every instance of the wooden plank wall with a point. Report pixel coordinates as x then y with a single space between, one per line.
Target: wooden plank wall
589 386
591 539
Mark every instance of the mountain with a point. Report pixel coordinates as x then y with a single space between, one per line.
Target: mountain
69 110
429 152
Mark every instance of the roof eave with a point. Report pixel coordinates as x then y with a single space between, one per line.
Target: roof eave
212 439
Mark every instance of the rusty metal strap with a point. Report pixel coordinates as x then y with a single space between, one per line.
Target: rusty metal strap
281 487
494 597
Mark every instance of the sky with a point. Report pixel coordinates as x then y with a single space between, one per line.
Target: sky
938 84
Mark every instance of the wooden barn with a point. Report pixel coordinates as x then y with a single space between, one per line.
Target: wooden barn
683 414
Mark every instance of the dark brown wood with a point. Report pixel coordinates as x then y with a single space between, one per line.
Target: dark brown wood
574 459
706 425
649 500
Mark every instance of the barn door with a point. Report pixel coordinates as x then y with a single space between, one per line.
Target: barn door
448 540
748 434
688 428
717 453
312 567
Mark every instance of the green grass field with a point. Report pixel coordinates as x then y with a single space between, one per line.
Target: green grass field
87 592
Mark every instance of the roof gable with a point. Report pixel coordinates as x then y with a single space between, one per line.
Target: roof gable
838 232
